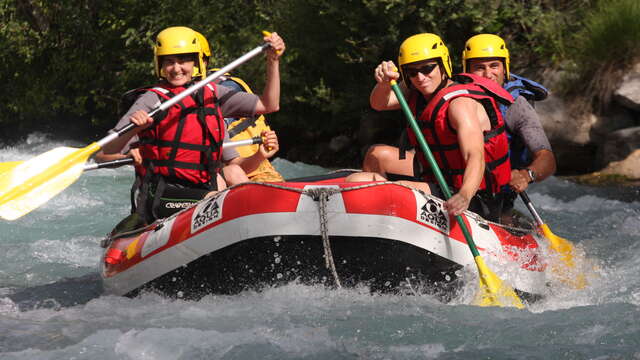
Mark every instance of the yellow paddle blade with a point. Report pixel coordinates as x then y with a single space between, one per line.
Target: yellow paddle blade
566 270
6 166
493 291
560 245
32 183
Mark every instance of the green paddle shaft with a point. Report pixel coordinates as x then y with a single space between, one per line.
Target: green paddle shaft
432 162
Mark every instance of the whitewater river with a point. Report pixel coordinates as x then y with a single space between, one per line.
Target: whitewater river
51 306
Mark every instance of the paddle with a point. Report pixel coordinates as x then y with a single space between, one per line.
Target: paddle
558 244
8 165
493 291
32 183
127 161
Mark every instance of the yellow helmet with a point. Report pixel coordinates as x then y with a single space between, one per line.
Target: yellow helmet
485 46
204 44
179 40
422 47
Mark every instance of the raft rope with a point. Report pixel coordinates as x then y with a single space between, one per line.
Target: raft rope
333 191
321 195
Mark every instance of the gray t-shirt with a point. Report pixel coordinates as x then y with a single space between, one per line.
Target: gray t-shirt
523 121
232 104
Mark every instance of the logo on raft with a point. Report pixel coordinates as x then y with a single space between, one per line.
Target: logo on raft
207 212
178 205
431 212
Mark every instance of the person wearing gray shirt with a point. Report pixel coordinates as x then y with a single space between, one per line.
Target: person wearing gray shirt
531 156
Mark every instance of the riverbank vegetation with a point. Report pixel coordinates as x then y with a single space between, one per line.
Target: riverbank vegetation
605 47
64 66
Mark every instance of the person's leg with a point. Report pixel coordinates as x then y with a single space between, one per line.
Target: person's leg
221 186
487 205
507 215
233 174
384 159
419 185
364 176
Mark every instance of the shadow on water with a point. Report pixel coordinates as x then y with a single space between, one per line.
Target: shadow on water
60 294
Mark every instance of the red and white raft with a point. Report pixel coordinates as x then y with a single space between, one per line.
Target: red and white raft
384 235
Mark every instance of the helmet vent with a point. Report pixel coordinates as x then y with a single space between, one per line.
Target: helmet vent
434 46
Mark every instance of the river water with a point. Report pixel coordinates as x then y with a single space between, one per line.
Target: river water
51 306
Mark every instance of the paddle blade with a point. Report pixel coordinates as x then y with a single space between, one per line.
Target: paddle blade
34 182
493 291
7 166
561 245
566 269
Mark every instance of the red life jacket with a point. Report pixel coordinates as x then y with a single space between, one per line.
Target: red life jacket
186 145
443 139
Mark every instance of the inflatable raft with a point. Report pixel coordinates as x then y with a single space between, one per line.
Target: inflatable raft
383 235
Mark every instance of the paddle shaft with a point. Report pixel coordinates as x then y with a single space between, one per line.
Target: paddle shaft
190 90
129 160
532 210
27 187
432 162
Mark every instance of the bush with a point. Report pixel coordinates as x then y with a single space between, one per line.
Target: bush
65 64
603 50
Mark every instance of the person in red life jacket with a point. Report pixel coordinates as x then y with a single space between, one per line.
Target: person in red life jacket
531 156
461 122
181 151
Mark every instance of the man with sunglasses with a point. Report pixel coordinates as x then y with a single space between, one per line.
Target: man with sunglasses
460 120
531 157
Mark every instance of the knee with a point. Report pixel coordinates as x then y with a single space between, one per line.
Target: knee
234 174
364 176
380 152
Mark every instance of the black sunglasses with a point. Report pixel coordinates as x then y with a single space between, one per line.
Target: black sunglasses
425 70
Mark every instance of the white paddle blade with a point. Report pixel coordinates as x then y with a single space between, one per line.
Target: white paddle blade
34 182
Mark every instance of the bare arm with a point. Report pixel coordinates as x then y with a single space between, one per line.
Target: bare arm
101 157
543 164
463 116
269 101
142 119
525 123
382 98
138 112
267 149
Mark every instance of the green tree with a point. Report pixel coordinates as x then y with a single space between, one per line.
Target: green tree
65 64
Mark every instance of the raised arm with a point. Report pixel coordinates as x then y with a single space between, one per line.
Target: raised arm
382 98
269 101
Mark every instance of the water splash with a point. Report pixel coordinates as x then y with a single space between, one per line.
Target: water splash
50 303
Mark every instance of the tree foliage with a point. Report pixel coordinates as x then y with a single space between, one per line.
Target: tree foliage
604 49
65 64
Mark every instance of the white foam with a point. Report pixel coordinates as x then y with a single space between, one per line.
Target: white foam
550 203
78 251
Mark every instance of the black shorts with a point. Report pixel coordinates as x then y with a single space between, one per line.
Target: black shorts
417 171
176 198
166 199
